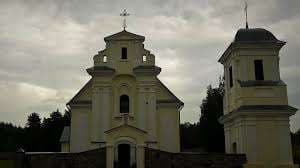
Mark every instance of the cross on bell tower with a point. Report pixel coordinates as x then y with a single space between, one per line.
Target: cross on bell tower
124 14
246 14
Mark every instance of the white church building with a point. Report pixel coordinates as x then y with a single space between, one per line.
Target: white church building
124 107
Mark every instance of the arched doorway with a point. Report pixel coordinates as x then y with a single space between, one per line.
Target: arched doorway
125 153
123 156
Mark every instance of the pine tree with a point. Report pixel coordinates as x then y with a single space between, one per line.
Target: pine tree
211 131
33 133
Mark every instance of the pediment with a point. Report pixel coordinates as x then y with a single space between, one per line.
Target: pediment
124 35
124 128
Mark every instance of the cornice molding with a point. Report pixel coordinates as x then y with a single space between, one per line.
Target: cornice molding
259 111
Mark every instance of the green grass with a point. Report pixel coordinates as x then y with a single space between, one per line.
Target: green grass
7 164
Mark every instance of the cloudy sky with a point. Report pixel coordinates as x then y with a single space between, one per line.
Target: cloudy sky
46 45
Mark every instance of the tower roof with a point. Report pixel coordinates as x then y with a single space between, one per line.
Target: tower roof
254 35
124 35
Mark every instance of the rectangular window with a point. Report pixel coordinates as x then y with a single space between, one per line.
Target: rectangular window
259 70
144 58
124 53
230 77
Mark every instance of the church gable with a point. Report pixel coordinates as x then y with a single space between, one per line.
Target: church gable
164 95
125 128
124 35
84 95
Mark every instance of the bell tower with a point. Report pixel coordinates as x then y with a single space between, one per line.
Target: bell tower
256 110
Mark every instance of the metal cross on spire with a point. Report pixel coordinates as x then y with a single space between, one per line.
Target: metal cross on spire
246 13
124 14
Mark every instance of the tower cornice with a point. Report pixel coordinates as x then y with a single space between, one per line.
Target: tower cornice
249 45
100 71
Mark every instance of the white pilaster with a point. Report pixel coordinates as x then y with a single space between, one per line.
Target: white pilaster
95 117
105 108
151 113
140 158
285 142
100 113
141 120
227 139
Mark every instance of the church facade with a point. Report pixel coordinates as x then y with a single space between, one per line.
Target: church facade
124 107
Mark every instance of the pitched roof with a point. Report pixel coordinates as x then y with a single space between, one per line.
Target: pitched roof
175 98
124 35
65 136
79 92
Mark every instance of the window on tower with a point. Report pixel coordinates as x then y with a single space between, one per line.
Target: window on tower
124 53
124 104
144 58
259 70
230 77
104 58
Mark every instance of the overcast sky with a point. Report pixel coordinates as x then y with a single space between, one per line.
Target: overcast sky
46 45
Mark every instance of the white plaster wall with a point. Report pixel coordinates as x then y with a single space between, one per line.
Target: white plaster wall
285 142
264 140
79 140
65 147
169 129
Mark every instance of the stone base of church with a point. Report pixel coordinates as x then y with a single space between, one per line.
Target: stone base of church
249 165
156 158
98 158
153 158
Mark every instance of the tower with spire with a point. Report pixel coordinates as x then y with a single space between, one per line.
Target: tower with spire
256 109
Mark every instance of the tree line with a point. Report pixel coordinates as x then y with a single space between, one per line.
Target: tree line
37 135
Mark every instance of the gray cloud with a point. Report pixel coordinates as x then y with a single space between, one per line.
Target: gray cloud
45 46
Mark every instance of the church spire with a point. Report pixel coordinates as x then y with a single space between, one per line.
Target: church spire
246 13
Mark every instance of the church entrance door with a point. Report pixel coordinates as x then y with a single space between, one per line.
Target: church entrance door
124 155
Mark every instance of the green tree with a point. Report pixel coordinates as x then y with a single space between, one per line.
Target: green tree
35 136
52 129
11 137
189 136
211 131
33 133
33 121
67 117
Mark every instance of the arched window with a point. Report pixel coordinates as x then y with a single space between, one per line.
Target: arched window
124 104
